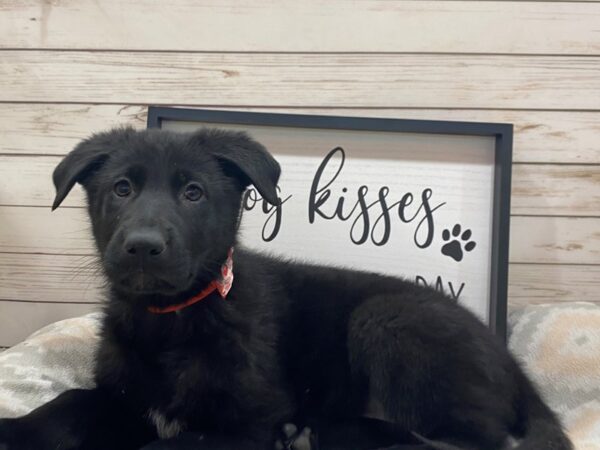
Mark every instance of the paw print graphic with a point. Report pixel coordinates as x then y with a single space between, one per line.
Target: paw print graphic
460 243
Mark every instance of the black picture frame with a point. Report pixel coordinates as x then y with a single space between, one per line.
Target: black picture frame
502 132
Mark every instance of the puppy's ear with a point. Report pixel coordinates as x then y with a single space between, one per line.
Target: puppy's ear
245 159
75 168
87 157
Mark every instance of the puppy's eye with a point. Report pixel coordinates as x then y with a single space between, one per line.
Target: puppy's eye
122 188
193 192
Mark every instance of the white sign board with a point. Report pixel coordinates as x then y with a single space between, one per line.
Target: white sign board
420 205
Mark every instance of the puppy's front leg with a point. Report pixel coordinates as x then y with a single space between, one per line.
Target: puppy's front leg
76 419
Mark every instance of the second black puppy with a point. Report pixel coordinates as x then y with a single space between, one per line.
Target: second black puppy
212 347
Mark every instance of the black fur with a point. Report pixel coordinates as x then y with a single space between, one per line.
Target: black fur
365 360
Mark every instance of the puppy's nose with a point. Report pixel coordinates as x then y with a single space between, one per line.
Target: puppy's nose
145 243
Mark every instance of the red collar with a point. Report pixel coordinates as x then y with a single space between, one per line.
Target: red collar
222 285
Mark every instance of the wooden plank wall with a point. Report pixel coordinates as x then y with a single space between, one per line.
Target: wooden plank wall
69 68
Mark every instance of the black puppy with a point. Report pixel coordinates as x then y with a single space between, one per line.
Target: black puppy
212 347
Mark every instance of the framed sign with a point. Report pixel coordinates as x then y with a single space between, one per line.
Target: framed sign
425 200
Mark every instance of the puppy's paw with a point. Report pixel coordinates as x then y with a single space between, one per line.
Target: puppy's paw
292 439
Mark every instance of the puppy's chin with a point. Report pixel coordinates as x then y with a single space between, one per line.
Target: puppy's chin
142 283
146 284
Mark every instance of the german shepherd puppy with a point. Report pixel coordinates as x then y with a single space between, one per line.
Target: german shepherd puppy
207 346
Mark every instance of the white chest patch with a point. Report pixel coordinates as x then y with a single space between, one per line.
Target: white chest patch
164 427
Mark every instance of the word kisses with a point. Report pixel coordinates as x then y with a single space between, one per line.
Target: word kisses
370 219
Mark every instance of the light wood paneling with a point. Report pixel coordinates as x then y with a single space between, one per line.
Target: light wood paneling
537 189
559 240
38 230
369 80
54 129
304 26
540 136
50 278
556 190
545 283
19 319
